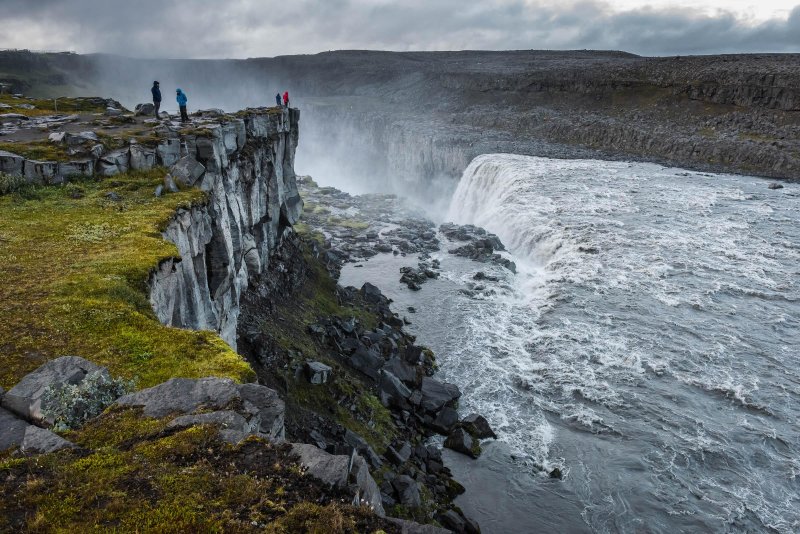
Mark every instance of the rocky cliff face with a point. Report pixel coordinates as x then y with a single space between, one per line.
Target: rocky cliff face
247 167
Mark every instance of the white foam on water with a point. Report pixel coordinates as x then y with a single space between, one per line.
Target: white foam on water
650 303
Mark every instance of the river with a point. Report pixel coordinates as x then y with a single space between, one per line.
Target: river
648 347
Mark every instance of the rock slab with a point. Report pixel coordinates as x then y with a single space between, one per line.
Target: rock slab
341 471
14 432
25 399
259 406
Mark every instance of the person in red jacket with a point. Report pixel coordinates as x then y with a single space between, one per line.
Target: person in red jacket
286 99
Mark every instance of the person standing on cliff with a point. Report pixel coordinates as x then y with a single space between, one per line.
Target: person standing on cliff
286 99
182 100
278 99
156 90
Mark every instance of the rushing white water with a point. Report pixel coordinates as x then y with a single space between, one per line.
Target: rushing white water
650 345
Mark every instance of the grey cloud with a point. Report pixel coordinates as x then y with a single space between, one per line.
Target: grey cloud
250 28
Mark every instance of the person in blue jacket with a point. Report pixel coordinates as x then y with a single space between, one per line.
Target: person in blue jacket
156 90
181 98
278 100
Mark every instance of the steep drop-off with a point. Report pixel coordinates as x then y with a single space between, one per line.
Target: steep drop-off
246 167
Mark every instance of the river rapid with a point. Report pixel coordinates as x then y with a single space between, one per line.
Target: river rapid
648 347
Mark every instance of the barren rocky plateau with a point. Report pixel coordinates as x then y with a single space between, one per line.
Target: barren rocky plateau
425 114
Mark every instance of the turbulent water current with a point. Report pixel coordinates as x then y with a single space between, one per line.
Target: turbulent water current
649 347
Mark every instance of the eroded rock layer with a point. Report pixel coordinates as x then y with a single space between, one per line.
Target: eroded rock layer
247 167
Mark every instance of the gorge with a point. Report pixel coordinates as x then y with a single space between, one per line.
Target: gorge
637 364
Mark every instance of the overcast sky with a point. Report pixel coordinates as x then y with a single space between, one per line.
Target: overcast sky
258 28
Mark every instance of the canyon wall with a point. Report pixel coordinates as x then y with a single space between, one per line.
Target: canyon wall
246 166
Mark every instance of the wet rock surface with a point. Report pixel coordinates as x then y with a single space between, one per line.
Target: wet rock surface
387 364
359 227
415 277
480 244
382 355
460 441
478 426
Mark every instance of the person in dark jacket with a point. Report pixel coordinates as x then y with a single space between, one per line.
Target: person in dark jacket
156 90
286 99
182 100
278 99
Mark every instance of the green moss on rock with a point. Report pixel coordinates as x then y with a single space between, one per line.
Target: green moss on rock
140 477
75 272
40 150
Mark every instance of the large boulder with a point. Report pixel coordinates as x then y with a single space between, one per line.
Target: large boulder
341 471
142 158
367 491
76 168
230 137
367 361
14 432
372 294
317 372
331 469
267 410
459 440
40 172
11 163
169 151
259 405
435 394
445 420
187 171
458 523
212 152
115 162
146 108
402 370
399 453
77 139
478 426
392 390
25 399
407 491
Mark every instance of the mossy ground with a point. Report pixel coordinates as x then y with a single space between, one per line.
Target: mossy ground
74 274
132 474
39 150
49 106
74 267
45 150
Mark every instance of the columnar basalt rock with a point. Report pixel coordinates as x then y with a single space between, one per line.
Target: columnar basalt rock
247 167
